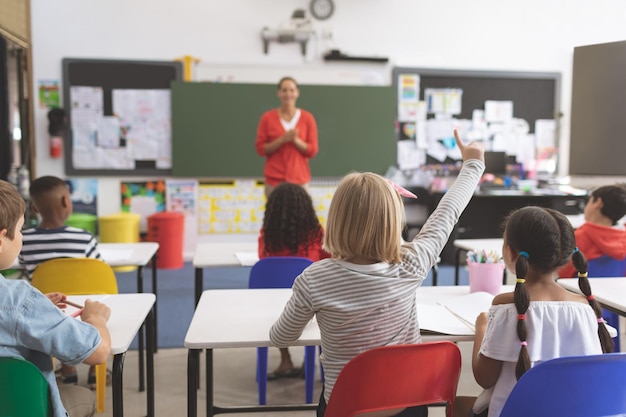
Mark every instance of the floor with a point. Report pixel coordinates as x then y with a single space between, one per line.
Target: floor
235 383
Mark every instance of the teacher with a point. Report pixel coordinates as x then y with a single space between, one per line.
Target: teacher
287 137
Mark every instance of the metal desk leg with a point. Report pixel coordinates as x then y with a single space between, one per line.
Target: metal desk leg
457 263
116 385
199 284
154 291
209 383
150 324
193 367
142 385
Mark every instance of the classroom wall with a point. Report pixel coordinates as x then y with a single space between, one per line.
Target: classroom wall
534 35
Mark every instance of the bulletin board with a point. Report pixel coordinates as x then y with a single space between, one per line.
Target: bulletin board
535 95
119 116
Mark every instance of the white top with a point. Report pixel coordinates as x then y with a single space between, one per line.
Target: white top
291 124
555 329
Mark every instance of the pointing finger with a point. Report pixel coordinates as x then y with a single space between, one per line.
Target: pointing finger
458 140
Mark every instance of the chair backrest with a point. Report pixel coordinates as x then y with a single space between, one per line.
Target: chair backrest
75 276
277 271
605 266
581 386
400 376
24 389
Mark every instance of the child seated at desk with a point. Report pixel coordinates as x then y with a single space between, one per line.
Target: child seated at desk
51 239
540 320
364 296
600 234
290 228
32 326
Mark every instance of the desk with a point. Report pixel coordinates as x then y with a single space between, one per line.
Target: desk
610 292
129 312
243 317
218 255
137 254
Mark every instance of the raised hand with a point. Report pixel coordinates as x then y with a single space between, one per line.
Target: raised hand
472 150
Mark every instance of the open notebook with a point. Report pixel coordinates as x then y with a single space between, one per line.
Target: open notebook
456 316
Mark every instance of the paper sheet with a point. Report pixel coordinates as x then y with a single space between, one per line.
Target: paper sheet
115 255
438 319
247 258
468 307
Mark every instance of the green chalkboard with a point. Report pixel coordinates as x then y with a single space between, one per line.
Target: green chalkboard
214 128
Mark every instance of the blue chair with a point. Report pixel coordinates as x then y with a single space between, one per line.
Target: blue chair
605 266
581 386
280 272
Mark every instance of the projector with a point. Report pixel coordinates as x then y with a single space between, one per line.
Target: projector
299 29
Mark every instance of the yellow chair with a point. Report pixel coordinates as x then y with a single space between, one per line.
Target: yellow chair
79 276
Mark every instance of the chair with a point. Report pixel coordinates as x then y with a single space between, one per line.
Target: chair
24 390
581 386
79 276
280 272
397 377
605 266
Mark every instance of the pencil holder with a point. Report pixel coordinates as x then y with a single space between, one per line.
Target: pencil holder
486 277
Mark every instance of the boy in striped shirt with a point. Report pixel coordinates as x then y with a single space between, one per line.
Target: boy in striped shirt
51 239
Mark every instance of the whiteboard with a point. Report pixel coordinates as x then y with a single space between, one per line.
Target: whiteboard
333 73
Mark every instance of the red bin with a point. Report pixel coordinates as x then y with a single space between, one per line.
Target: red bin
167 228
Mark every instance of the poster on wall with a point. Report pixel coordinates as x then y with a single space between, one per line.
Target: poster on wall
49 97
181 195
144 198
84 195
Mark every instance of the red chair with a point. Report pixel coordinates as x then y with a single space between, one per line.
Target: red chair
397 377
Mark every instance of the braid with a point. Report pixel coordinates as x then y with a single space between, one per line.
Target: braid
579 261
522 301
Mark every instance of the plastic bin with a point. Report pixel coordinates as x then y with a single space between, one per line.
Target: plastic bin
167 228
83 221
119 228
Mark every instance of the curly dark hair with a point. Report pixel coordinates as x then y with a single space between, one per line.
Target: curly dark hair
290 219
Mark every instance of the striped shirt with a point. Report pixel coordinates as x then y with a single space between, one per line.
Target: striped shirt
65 242
360 307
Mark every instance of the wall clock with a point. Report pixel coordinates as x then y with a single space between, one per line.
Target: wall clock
322 9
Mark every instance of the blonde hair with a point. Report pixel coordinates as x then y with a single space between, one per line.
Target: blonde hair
365 219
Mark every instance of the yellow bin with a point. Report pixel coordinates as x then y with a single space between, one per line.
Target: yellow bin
119 228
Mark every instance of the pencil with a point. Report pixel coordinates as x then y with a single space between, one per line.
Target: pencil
70 303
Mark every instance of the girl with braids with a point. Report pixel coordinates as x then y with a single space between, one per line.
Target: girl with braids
540 320
290 228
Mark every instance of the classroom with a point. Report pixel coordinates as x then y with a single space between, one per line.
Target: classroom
213 47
